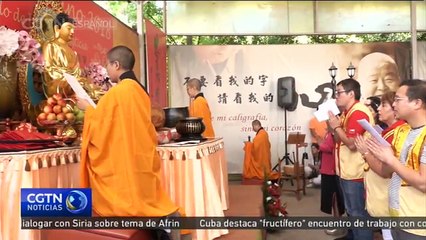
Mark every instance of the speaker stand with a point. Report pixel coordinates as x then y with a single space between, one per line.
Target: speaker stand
286 156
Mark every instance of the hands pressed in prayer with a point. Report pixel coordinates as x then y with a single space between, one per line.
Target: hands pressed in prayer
333 121
361 145
382 153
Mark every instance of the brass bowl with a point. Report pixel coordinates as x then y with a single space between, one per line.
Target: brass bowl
190 128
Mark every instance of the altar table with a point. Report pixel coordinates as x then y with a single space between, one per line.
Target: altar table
48 168
196 178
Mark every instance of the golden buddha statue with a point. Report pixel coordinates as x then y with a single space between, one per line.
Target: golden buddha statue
60 58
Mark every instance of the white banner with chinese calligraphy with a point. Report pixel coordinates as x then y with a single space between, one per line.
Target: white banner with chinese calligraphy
240 84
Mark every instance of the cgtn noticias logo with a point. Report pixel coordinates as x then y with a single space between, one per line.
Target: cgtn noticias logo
56 202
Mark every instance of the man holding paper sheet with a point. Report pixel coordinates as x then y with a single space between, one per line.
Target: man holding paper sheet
119 161
407 190
349 162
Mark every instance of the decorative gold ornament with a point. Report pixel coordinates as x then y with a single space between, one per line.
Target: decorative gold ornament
8 87
43 16
69 134
23 88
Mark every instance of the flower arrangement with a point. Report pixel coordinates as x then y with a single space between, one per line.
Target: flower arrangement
99 76
272 203
20 46
272 206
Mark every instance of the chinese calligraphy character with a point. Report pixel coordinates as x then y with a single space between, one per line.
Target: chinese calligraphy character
186 80
252 97
203 81
237 98
233 81
218 81
248 80
222 98
324 90
268 97
262 79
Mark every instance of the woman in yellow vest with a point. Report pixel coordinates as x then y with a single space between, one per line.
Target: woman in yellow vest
376 181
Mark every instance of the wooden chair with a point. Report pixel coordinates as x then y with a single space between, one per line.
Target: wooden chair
295 171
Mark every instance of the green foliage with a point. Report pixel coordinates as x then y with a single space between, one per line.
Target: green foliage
153 13
123 10
260 40
126 12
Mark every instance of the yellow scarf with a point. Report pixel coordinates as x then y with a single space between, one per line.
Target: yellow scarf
415 149
350 164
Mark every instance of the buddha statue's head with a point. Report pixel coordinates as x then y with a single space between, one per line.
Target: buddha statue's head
64 27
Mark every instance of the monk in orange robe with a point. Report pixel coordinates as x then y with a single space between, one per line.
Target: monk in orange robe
260 163
199 107
119 160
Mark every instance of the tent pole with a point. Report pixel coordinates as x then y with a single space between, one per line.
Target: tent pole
413 15
141 36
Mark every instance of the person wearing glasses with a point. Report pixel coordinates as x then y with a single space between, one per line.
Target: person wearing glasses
350 164
376 180
405 160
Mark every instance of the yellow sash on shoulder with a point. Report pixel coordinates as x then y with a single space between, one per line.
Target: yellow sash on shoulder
415 149
351 164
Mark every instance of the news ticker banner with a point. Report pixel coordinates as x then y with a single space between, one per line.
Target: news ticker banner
71 208
221 223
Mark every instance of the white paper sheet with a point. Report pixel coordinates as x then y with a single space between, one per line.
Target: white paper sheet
367 126
183 143
378 129
322 113
78 89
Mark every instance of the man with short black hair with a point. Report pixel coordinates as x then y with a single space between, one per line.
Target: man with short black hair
407 190
349 162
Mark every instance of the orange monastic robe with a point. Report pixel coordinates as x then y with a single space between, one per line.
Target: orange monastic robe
119 160
260 157
200 108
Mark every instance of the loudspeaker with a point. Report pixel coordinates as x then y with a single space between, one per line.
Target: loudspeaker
286 93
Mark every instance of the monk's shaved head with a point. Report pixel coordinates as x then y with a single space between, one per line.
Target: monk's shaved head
194 83
256 123
123 55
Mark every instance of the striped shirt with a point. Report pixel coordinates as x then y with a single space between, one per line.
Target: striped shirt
395 183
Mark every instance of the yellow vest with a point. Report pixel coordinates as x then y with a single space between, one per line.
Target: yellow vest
412 202
415 150
377 189
350 163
